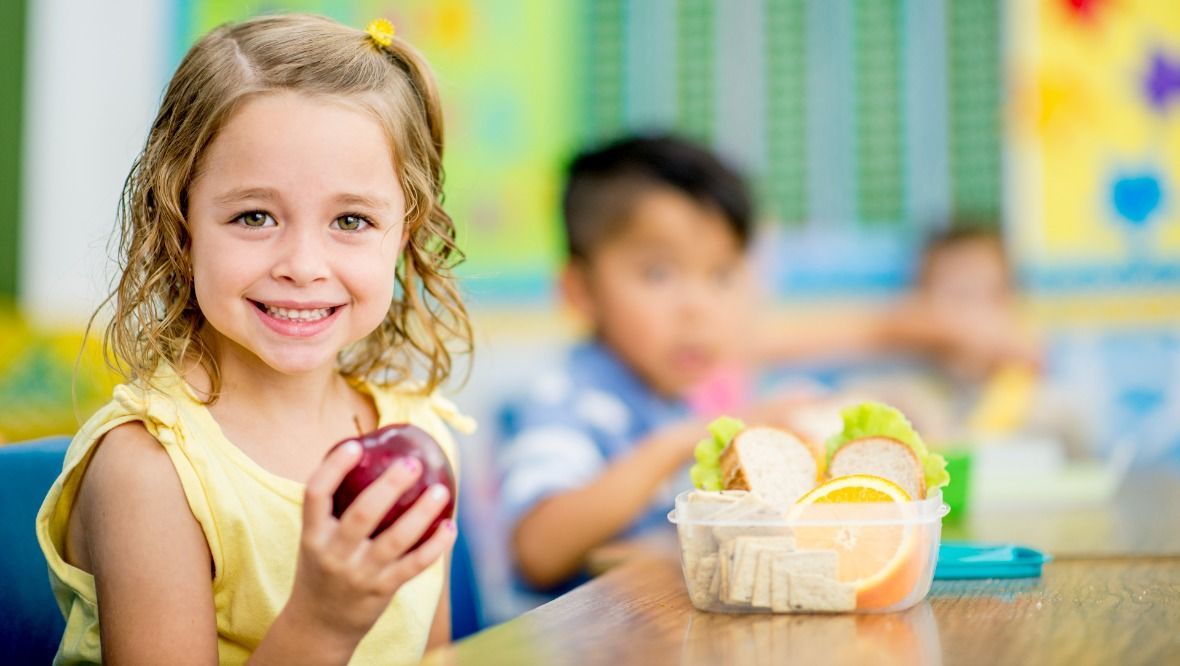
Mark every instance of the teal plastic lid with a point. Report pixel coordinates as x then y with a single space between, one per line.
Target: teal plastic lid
957 561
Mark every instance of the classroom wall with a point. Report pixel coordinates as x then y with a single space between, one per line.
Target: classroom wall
94 74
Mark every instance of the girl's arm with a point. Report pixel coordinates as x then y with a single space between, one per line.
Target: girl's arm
133 530
440 629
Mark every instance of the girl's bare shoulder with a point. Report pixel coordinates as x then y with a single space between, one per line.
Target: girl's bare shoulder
128 486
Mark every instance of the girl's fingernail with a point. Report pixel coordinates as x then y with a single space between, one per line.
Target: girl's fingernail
450 525
352 448
438 493
411 464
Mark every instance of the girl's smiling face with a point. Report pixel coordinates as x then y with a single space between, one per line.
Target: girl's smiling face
297 219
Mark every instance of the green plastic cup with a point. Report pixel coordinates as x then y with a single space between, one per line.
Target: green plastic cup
955 494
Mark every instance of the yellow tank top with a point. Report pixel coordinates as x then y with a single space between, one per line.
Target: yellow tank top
251 519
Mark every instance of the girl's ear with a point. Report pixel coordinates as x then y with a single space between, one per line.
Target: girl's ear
574 283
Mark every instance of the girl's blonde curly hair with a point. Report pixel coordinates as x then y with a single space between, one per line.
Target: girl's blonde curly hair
156 318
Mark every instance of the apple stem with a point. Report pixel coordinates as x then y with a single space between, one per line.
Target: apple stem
357 420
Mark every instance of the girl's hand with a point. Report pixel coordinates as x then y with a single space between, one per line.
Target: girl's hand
344 580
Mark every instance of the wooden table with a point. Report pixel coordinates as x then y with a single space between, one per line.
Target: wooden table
1112 596
1123 611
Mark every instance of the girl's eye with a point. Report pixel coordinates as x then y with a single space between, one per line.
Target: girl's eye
255 219
351 223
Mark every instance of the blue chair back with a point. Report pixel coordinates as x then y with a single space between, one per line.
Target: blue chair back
32 625
466 610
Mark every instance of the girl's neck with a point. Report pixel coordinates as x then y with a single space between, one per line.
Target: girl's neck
250 386
285 423
272 394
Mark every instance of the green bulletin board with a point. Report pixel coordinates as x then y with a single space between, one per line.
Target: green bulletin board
12 70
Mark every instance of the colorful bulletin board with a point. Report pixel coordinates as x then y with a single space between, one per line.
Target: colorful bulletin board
1094 142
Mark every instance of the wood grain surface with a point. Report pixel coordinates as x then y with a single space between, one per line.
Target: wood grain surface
1118 611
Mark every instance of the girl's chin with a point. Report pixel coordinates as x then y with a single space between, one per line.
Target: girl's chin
261 353
303 366
296 364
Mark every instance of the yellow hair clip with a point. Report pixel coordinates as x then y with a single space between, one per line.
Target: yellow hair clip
381 31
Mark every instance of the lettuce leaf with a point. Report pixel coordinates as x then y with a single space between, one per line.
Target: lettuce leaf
872 419
706 472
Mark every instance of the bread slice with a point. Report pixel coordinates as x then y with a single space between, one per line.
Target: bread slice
771 463
885 457
818 449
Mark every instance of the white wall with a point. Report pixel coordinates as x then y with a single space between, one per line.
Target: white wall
94 76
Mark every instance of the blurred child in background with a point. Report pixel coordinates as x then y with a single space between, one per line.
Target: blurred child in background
657 232
964 276
980 373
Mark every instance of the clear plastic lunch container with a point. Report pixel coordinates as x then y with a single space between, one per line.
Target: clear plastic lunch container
741 555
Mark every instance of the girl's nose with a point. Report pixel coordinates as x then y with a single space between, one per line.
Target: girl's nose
303 257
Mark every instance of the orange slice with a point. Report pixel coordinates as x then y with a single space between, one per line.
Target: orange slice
860 516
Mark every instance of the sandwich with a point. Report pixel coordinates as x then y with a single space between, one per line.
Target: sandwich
772 464
879 440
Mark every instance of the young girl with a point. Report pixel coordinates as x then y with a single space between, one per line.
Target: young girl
286 271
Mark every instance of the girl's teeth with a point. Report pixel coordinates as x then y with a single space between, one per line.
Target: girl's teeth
298 315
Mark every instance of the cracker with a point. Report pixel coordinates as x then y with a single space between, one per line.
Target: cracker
701 582
812 562
809 592
760 598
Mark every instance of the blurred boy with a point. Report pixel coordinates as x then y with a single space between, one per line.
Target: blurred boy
983 361
657 233
964 275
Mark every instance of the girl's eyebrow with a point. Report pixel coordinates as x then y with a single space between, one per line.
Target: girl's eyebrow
368 201
270 194
244 193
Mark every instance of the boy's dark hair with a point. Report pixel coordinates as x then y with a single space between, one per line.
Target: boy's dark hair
604 183
963 229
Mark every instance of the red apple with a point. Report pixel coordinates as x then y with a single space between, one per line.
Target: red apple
381 448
